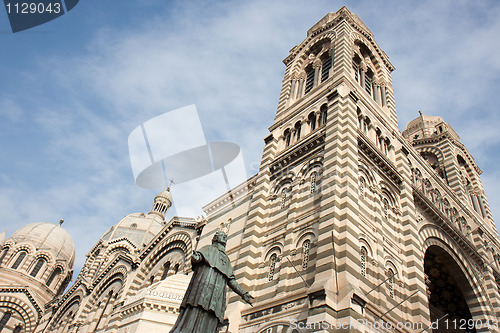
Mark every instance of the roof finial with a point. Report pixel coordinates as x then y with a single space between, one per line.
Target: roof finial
420 112
170 184
61 221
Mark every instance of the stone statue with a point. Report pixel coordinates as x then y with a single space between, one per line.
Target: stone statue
204 303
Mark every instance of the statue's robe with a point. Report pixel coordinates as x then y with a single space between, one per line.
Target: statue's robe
204 303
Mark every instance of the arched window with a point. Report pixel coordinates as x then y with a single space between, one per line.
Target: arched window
305 254
17 329
364 255
298 126
38 266
166 267
366 125
287 136
309 79
379 140
4 253
314 176
323 109
5 318
362 187
369 82
63 286
272 266
283 197
52 276
312 121
390 282
176 268
19 260
326 65
387 145
385 204
356 66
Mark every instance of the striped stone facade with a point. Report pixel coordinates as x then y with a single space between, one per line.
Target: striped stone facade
346 213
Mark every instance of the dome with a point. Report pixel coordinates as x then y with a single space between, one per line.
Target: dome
138 228
423 121
47 236
425 127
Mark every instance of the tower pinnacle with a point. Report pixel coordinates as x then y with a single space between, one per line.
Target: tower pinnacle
162 203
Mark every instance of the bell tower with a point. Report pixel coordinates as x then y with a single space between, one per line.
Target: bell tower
325 224
440 146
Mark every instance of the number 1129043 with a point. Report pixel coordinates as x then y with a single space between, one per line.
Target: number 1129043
33 8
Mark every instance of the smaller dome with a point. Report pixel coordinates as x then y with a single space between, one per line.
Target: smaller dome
162 203
165 194
138 228
49 237
423 121
424 127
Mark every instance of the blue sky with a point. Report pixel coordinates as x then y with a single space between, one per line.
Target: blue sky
73 89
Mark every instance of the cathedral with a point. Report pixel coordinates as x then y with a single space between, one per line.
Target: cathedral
349 224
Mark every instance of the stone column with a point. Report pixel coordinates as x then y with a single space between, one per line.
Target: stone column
300 88
291 95
383 92
317 67
293 139
331 53
303 128
481 204
376 91
475 203
362 70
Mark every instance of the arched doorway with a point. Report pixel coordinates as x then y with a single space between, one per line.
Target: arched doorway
447 285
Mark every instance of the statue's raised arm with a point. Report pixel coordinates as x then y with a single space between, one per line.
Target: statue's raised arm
204 303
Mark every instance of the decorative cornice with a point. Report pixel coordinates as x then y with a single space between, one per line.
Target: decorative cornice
381 160
297 153
446 225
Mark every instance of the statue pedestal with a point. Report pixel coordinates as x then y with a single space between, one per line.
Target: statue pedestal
154 309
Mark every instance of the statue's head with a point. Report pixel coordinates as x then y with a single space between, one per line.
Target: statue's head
220 237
